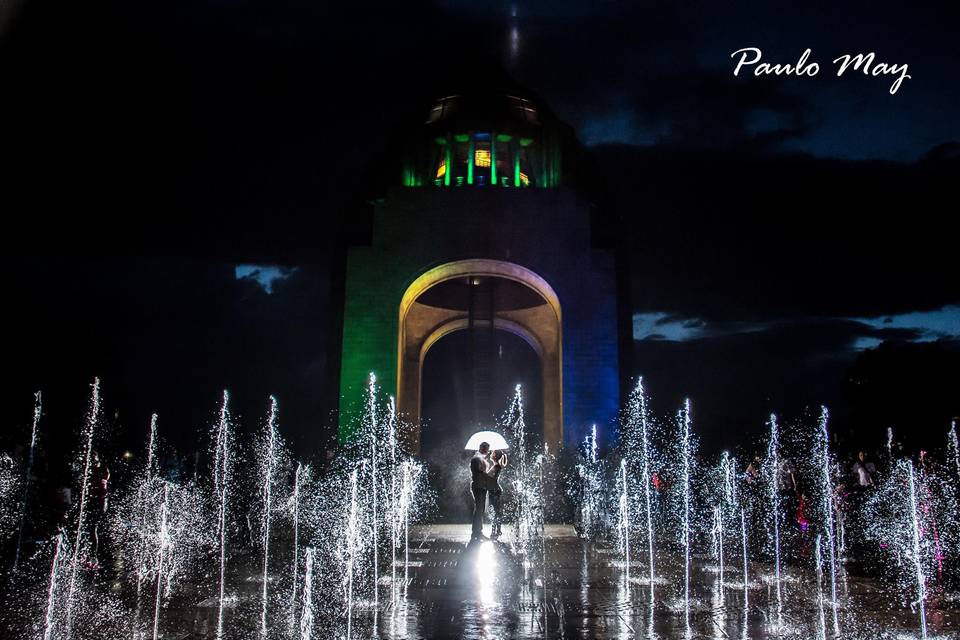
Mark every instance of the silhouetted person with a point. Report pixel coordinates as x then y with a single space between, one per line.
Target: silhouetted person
499 459
863 470
752 474
787 478
479 468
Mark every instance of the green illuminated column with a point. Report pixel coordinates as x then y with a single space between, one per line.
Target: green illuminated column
493 158
448 160
471 148
516 166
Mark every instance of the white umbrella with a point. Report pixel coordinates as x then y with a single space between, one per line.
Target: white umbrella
494 439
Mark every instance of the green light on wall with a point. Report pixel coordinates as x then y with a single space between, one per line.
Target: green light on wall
448 155
504 137
493 161
516 168
411 178
471 150
461 137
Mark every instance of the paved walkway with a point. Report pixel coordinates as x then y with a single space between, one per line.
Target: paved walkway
454 589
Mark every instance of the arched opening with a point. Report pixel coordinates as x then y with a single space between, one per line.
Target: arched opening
480 298
450 406
457 401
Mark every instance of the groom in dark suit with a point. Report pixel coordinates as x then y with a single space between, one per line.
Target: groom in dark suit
479 482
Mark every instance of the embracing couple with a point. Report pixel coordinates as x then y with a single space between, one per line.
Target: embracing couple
485 468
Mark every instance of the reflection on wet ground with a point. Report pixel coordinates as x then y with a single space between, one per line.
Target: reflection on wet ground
458 589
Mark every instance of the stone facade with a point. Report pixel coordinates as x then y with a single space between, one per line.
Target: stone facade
546 231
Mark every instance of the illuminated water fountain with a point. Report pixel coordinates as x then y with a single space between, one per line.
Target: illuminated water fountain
143 504
624 522
268 465
686 452
746 574
329 532
725 511
590 503
294 565
352 544
222 477
638 453
306 617
80 541
826 514
772 467
526 481
917 561
55 569
953 450
818 565
37 411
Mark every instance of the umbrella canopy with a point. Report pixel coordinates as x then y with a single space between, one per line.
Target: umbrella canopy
495 440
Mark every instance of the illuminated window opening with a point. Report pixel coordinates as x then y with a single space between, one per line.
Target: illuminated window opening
482 160
485 159
482 157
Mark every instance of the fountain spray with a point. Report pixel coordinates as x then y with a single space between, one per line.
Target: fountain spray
306 618
222 470
296 541
351 549
37 411
93 417
746 580
624 522
405 494
164 538
543 537
590 507
773 465
392 443
638 414
918 565
144 505
686 453
718 536
827 508
52 590
818 563
372 410
268 468
954 449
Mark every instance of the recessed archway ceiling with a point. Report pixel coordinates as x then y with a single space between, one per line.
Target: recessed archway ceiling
506 295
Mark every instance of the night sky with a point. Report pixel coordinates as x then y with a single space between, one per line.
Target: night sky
179 179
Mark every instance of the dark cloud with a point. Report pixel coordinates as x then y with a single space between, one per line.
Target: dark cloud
746 237
791 368
168 335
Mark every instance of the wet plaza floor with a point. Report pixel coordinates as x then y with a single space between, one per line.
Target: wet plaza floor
452 588
455 589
